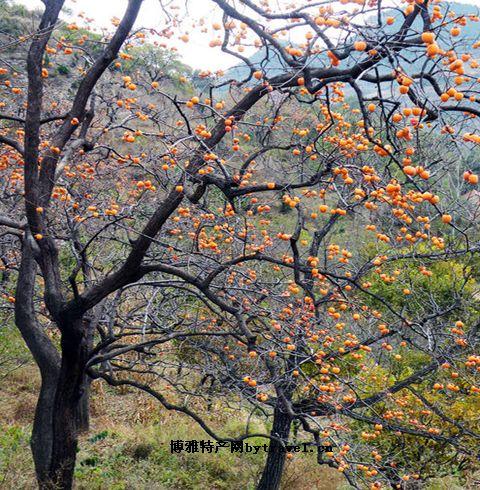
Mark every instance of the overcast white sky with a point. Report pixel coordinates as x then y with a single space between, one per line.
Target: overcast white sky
196 53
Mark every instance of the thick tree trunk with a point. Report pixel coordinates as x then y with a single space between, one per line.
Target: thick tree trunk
273 470
55 432
83 408
47 358
66 405
41 441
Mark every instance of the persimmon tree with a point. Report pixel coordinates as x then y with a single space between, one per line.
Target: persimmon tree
289 241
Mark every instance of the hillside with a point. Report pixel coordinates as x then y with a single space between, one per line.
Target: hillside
273 64
128 445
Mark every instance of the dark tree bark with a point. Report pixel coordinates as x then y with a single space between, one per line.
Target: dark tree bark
42 434
67 398
273 470
83 408
56 425
46 357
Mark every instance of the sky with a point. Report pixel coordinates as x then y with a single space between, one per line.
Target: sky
193 54
196 53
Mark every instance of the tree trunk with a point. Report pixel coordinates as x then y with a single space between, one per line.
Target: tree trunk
41 441
68 395
83 408
46 357
273 470
54 433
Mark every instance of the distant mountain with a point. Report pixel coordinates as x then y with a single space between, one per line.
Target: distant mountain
272 64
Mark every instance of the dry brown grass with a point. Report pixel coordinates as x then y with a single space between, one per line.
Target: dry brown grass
135 422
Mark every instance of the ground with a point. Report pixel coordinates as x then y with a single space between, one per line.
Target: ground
128 446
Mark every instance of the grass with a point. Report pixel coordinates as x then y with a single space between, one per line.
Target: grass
128 446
